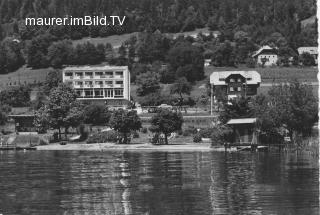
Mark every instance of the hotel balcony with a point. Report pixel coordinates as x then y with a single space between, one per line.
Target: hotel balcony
118 86
78 86
88 86
68 77
88 77
78 77
98 86
118 76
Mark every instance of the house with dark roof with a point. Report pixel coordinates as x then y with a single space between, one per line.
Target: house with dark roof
232 84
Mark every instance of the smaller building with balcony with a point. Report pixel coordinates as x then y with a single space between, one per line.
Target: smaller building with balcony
232 84
100 84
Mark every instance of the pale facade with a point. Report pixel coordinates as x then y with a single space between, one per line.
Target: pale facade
270 59
99 83
266 56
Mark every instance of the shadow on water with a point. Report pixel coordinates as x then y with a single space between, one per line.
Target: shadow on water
157 183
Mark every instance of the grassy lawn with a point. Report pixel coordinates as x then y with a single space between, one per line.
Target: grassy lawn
275 74
114 40
23 75
268 75
117 40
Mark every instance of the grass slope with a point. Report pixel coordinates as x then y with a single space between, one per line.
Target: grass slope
268 75
23 75
117 40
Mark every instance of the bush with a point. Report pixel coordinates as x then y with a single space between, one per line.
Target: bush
197 138
135 134
250 62
144 130
103 137
206 132
83 133
189 131
221 135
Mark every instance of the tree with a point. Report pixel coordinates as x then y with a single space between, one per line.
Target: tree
294 106
4 110
11 55
41 119
166 122
307 59
59 53
224 55
96 114
37 50
186 61
124 122
62 110
180 87
237 108
53 79
147 83
16 96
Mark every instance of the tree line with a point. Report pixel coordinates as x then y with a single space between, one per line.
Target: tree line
165 15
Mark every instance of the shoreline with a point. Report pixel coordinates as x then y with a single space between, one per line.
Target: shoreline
130 147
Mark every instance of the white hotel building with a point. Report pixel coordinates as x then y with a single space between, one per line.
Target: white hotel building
104 84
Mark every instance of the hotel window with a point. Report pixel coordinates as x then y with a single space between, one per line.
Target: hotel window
88 74
88 93
231 89
78 83
109 73
98 93
79 74
119 74
78 92
118 93
99 82
239 89
98 73
88 83
68 74
239 80
109 93
231 80
119 82
109 83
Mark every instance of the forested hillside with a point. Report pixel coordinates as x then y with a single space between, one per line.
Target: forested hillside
244 25
257 17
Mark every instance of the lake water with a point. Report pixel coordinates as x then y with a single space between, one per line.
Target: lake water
160 183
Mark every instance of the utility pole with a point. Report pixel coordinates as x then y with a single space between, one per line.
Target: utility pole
211 100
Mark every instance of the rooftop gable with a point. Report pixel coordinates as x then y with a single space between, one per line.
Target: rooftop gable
265 49
218 78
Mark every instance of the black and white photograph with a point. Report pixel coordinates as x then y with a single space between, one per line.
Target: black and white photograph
159 107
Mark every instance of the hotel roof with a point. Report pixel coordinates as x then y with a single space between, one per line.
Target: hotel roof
94 68
218 78
242 121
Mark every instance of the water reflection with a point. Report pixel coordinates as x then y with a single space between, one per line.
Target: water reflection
158 183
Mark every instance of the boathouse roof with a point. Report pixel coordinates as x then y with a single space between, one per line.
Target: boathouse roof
242 121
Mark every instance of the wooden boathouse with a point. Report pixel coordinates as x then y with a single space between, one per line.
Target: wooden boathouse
244 133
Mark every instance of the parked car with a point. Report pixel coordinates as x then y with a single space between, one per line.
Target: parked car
165 106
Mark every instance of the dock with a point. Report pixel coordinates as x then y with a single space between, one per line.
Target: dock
248 146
